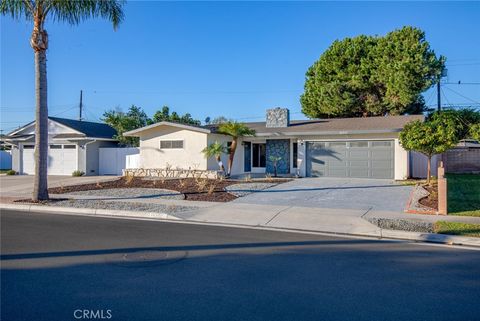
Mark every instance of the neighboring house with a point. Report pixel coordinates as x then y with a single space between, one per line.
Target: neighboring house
73 145
338 147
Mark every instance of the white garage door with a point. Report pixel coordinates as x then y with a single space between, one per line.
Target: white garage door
62 159
28 159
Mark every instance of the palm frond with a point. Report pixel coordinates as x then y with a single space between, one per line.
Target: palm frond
74 12
17 8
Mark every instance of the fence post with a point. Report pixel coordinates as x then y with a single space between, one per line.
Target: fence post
442 190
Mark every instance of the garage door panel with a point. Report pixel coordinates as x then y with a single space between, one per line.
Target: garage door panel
364 159
381 164
382 154
359 172
359 154
337 172
359 163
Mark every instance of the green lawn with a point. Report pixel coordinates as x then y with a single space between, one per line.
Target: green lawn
454 228
2 171
463 194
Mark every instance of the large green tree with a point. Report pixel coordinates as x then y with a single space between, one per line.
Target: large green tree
165 115
134 118
372 76
439 133
38 12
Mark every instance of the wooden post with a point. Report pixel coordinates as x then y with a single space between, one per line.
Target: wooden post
442 190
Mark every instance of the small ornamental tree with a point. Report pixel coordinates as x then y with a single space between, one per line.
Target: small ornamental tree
235 130
436 135
216 150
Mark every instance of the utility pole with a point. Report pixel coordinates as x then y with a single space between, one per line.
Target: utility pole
439 99
81 106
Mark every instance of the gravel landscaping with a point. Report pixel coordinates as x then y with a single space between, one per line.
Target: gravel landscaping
243 189
133 192
410 225
123 206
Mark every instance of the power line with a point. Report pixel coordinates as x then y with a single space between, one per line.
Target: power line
459 94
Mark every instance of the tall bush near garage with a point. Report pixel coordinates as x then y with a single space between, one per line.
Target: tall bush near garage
235 130
436 135
37 11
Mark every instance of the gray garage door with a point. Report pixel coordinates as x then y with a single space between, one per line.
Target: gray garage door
363 159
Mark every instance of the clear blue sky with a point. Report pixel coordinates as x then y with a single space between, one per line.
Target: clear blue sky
217 58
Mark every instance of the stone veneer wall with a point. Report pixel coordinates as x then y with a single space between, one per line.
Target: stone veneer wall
278 147
277 117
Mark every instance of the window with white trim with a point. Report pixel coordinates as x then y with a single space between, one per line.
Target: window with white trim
171 144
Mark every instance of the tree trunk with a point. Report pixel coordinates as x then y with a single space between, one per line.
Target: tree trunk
429 169
233 147
39 44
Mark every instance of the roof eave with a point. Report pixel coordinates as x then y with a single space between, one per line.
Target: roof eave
330 133
135 132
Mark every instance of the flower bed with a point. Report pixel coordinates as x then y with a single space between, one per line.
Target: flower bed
194 189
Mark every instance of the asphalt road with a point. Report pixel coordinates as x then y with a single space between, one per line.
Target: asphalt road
54 266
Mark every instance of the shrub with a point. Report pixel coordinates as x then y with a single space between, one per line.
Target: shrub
11 172
78 173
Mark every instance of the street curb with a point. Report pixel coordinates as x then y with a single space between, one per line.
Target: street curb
378 234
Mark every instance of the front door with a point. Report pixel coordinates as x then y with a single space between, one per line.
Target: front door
259 158
247 153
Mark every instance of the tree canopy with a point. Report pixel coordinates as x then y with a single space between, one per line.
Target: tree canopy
165 115
439 133
372 76
134 118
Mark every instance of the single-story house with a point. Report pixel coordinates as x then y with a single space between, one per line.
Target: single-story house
73 145
339 147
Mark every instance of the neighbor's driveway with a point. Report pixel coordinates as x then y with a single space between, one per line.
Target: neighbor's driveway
335 193
21 186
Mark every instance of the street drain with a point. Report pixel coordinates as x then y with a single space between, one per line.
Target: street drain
147 258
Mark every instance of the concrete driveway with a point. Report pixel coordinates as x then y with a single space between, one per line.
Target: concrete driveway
335 193
21 186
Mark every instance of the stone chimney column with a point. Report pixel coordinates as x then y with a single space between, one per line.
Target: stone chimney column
278 117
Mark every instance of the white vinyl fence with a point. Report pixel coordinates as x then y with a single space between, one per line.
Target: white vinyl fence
5 159
418 165
112 161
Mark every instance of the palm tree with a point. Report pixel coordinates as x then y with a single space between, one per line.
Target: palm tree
235 130
37 11
216 150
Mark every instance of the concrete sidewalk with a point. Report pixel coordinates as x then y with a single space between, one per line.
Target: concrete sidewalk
343 221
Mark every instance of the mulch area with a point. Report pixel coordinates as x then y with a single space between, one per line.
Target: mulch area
432 199
210 190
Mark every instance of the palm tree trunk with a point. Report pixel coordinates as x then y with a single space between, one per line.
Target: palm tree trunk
220 164
39 44
233 147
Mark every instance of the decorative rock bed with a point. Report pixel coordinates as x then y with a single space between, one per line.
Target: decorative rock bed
411 225
243 189
122 206
133 193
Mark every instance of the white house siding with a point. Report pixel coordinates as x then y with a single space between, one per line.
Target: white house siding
92 156
190 156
